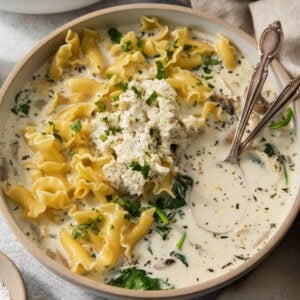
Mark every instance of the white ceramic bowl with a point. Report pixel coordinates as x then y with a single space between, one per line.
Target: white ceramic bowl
118 16
43 7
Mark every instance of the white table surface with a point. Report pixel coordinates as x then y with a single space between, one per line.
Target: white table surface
278 277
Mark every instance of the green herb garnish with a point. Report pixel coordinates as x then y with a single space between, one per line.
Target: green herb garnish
269 150
80 231
209 61
126 46
181 241
180 186
102 108
22 104
76 126
162 216
187 47
163 231
143 169
180 257
152 98
115 129
133 206
55 132
137 91
284 122
122 85
115 35
161 73
136 279
140 42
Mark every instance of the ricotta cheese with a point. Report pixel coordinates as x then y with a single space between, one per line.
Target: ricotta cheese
139 135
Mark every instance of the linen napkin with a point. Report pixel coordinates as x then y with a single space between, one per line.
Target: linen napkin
254 16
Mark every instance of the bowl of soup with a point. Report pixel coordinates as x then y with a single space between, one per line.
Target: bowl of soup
106 126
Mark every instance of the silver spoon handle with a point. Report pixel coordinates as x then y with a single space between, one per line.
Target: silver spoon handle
257 81
290 93
269 44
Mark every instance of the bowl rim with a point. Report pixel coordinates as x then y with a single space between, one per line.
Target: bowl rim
102 288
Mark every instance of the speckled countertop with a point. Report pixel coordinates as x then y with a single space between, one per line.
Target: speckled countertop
278 277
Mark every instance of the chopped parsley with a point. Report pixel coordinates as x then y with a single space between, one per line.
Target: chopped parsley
209 61
55 132
162 216
143 169
137 91
187 47
181 241
161 72
103 137
284 122
126 46
22 104
136 279
80 231
115 129
76 126
152 98
122 85
140 42
115 34
101 107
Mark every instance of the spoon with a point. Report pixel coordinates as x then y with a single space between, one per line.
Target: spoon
289 94
220 199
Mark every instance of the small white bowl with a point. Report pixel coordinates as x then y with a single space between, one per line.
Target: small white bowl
43 7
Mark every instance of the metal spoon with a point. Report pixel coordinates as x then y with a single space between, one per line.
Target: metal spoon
289 94
220 199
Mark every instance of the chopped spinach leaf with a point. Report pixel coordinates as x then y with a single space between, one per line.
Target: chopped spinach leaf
180 257
269 150
115 35
136 279
180 186
133 206
163 231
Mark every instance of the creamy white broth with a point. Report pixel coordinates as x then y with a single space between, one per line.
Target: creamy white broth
207 254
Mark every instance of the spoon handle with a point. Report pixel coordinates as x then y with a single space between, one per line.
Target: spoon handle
290 93
269 44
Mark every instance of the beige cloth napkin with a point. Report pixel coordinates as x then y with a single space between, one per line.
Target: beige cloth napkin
256 15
